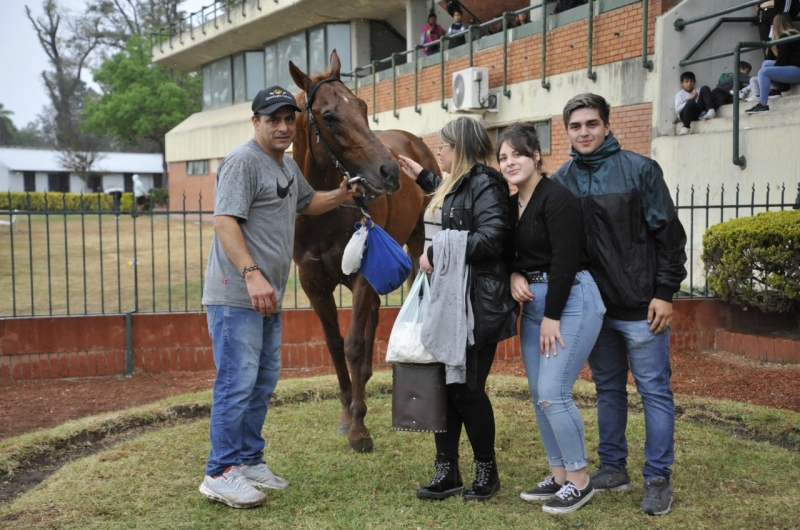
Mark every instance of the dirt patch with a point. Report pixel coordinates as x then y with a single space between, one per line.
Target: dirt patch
30 405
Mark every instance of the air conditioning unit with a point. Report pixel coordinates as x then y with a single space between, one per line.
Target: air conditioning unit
471 91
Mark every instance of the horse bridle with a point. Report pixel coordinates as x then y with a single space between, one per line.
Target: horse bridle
362 200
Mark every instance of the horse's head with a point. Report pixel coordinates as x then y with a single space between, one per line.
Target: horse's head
338 130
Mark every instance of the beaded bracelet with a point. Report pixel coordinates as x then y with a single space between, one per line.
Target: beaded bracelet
250 268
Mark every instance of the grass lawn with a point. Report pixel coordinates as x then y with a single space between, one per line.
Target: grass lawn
73 264
723 478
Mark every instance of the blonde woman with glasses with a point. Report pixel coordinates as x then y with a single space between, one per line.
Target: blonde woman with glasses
473 197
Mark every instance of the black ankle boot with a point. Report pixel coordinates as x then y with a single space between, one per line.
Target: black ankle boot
445 483
486 483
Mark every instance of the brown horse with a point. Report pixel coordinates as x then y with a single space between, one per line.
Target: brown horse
333 138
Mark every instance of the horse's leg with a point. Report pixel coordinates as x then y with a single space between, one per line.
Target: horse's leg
362 329
324 306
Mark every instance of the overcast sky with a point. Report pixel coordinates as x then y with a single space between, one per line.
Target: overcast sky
22 59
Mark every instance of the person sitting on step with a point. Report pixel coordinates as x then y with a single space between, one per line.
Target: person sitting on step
692 106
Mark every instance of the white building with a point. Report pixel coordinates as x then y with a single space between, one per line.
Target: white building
24 169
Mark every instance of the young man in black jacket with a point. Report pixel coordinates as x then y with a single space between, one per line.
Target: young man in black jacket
636 247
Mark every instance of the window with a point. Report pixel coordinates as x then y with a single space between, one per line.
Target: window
338 39
58 182
220 74
254 72
197 167
94 183
158 179
238 78
127 178
29 178
317 61
542 129
291 48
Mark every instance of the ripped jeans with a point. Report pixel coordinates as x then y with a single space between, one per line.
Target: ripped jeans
551 378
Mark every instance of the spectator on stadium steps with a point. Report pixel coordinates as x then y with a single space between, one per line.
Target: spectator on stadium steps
787 65
457 30
692 106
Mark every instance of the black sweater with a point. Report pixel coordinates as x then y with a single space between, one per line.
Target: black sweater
549 237
788 53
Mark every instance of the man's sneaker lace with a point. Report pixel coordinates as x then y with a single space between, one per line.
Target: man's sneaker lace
232 488
657 496
261 476
605 479
543 491
569 498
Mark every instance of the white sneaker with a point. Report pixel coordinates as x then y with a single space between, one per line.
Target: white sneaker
684 131
233 489
750 99
710 114
261 476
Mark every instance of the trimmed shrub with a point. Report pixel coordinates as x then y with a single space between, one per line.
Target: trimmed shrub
755 261
159 196
39 201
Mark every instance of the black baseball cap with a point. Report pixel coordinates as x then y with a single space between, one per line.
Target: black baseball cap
271 99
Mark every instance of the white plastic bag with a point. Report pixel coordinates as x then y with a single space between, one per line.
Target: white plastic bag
351 259
405 343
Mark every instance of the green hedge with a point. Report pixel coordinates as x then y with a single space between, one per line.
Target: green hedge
755 261
40 201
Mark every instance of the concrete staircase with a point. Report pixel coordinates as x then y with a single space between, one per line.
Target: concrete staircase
783 111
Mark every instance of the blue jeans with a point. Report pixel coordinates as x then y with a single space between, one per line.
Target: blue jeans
620 343
247 353
551 378
772 74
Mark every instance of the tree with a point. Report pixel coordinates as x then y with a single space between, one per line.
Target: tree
68 55
7 129
123 18
141 100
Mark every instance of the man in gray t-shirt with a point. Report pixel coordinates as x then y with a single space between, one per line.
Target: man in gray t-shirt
258 193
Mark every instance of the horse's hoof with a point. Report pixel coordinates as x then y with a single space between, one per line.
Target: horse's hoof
343 429
364 445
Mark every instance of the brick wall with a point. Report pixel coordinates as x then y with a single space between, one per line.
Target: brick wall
83 346
192 186
617 36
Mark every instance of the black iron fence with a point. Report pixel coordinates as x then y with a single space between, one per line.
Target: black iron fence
79 257
74 254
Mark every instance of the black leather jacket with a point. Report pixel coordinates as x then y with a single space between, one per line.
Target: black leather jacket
479 203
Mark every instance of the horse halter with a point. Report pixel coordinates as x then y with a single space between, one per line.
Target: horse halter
362 200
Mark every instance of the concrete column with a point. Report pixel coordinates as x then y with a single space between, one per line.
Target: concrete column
416 17
360 42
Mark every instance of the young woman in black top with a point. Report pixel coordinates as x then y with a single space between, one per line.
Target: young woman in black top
561 316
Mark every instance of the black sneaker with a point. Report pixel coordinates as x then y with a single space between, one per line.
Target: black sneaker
605 479
657 496
544 491
569 498
758 109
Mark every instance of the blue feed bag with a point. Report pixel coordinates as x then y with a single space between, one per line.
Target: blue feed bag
385 264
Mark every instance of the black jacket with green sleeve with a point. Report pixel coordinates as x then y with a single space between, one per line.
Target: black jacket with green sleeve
635 241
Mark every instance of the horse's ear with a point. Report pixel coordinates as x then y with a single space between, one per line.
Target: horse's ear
336 64
300 78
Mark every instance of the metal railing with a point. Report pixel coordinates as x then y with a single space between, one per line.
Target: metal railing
470 37
198 19
741 47
92 259
85 262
